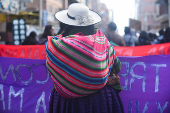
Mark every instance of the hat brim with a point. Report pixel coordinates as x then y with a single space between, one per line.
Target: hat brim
62 17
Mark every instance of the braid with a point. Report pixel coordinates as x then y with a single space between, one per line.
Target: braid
67 30
87 30
91 31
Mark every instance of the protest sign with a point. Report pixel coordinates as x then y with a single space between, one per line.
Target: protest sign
38 51
145 84
29 52
25 85
158 49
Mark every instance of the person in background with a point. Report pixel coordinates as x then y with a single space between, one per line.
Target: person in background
144 38
130 39
151 37
167 35
83 66
48 31
31 39
160 38
155 36
114 38
155 39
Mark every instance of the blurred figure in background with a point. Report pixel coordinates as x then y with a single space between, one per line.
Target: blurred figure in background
161 37
167 35
114 38
130 40
151 37
155 38
48 31
144 38
31 39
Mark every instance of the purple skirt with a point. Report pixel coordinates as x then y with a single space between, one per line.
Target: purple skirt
107 100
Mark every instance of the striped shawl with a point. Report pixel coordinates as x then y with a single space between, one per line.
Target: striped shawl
79 65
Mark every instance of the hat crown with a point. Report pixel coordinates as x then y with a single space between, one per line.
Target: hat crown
78 9
78 14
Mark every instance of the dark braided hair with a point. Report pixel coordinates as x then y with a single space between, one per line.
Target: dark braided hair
62 27
86 30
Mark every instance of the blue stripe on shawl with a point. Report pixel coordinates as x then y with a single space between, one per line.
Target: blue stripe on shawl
73 64
75 73
113 51
86 49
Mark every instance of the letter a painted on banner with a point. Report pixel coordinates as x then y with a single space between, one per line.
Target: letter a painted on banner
127 53
42 98
162 50
36 54
168 52
152 51
22 55
29 53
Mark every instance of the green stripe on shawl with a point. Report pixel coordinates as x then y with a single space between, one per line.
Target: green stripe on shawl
77 52
81 55
52 71
117 65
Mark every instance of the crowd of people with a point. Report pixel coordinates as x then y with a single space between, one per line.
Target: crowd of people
32 38
131 40
128 39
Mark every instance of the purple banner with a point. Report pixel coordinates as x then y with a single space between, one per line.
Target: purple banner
25 85
145 84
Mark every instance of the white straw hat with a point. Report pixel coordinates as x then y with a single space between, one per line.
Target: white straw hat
78 14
